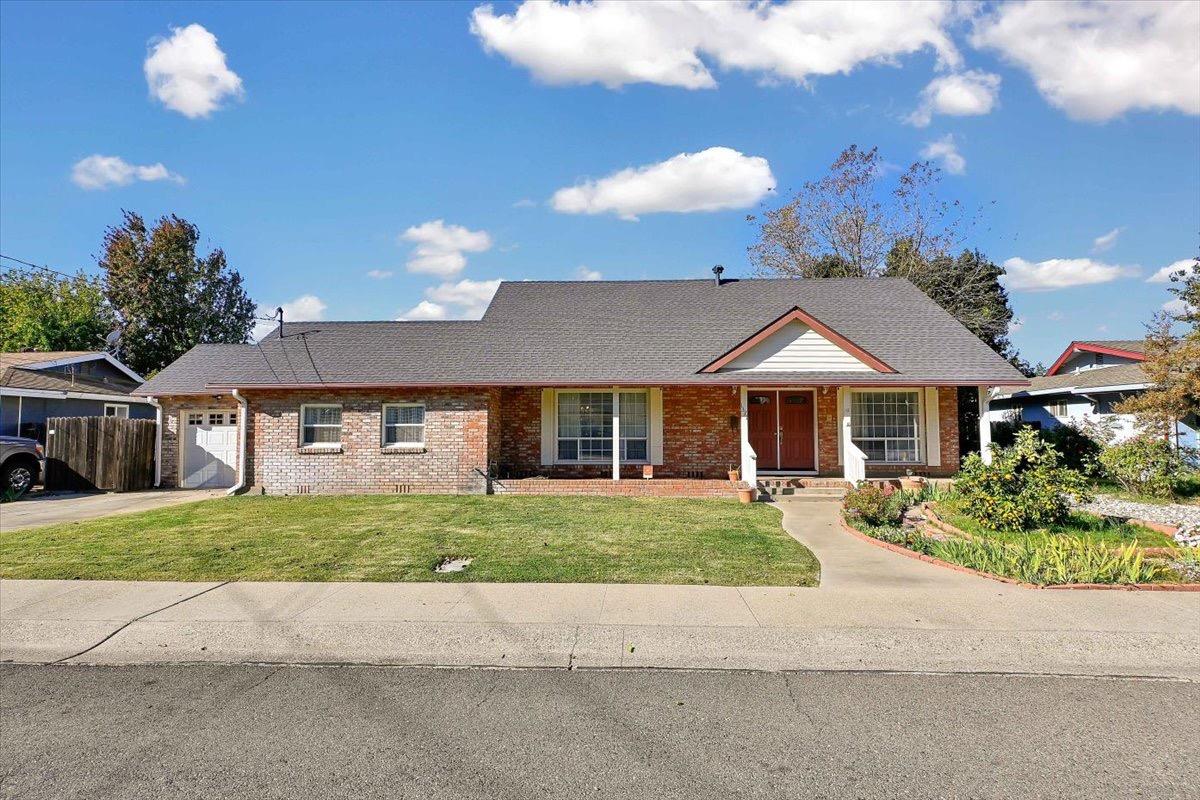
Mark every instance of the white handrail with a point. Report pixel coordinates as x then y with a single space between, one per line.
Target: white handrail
856 463
749 464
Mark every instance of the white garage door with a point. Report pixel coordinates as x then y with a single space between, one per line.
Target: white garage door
210 449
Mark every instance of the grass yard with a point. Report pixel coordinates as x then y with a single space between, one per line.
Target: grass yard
376 538
1080 526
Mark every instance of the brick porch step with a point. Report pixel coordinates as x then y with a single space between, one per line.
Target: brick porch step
801 488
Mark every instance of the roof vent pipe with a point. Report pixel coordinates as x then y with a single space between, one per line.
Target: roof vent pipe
279 311
717 270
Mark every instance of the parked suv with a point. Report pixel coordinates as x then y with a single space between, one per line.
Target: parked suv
20 464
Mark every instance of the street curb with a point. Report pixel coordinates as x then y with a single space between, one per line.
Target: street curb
1112 587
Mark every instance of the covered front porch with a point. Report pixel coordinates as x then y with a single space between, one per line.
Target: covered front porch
687 440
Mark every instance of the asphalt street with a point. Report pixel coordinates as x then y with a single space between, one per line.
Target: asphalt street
274 732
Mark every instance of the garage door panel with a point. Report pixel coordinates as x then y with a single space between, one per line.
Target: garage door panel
210 449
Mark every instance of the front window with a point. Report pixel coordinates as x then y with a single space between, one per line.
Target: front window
320 425
116 410
886 426
585 426
403 425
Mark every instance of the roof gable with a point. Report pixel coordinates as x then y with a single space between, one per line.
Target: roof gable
1120 348
798 342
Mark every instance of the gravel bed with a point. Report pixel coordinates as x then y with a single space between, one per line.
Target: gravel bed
1187 517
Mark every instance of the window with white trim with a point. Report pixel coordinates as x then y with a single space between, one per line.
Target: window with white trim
585 426
403 425
320 425
116 410
886 426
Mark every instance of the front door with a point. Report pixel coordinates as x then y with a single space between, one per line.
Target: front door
796 431
781 427
764 427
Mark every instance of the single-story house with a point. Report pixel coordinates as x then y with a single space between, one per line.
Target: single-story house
1085 384
75 383
586 387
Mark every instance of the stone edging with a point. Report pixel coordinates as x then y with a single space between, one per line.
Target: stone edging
1124 587
932 516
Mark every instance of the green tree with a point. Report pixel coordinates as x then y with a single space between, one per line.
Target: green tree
45 311
858 222
168 298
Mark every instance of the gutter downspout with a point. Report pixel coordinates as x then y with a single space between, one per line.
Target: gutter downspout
158 423
241 482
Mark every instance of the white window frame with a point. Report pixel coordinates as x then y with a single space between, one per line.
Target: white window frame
558 393
1059 409
302 426
919 436
117 407
383 426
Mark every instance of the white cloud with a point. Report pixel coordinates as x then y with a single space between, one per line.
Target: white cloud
524 202
945 150
586 274
1098 60
425 310
1060 273
710 180
187 72
1177 307
305 308
440 247
380 274
1106 241
468 298
963 94
617 43
104 172
1164 275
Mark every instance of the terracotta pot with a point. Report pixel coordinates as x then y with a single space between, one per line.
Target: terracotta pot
734 476
747 495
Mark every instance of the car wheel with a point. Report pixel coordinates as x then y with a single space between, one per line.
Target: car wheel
16 478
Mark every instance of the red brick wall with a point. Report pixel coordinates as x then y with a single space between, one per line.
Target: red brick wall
698 440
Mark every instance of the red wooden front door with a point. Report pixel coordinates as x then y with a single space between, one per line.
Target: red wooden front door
796 425
762 424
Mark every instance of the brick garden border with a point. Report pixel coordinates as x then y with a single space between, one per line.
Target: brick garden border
1124 587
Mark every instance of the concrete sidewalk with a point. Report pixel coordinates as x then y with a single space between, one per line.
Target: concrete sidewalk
994 628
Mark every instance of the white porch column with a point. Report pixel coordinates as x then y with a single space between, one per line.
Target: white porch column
985 425
616 434
854 464
749 459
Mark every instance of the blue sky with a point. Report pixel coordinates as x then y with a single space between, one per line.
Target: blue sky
330 131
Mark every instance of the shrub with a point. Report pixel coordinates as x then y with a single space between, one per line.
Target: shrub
1145 465
874 504
1024 487
905 537
1076 449
1053 560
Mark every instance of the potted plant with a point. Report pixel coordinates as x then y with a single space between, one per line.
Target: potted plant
735 474
746 492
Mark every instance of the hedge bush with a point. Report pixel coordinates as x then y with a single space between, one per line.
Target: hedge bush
873 504
1024 487
1145 465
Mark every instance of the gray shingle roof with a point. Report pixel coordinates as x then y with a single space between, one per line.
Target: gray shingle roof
1132 345
1116 375
606 332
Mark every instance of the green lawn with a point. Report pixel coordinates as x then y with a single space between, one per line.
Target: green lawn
374 538
1081 525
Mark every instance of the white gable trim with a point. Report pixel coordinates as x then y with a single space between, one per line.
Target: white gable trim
796 347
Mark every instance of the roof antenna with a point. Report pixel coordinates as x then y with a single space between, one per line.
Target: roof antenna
279 311
717 270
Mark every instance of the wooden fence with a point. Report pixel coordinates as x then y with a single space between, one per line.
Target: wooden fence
109 453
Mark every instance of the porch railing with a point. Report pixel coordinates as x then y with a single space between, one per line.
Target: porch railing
855 463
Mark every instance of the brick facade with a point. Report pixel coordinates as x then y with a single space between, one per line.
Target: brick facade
500 429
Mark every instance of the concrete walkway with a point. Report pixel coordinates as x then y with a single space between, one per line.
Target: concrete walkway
34 511
875 610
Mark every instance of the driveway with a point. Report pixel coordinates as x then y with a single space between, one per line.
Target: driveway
37 510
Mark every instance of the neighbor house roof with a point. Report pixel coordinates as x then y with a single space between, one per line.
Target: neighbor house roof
606 333
1081 382
32 370
1125 348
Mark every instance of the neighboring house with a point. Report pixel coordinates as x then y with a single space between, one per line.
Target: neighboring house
1084 385
586 387
76 383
